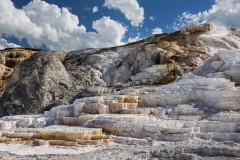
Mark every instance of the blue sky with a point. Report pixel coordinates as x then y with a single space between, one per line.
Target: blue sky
79 24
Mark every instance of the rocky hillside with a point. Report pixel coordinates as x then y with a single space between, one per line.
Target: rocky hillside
170 96
43 81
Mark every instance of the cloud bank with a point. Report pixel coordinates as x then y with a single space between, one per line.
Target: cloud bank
5 44
222 13
43 23
130 8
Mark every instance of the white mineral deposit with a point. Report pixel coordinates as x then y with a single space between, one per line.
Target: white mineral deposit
166 108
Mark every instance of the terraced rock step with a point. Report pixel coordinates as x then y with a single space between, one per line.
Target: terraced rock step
161 113
56 135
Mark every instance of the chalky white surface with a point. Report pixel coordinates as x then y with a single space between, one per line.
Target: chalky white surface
21 149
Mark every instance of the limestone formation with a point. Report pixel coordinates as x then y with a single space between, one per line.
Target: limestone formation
57 135
140 96
162 113
157 60
224 64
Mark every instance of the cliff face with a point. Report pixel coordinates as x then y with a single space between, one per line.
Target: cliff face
43 80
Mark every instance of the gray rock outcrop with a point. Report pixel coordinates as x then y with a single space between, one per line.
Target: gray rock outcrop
38 82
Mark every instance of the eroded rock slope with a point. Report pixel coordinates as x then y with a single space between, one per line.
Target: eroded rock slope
157 60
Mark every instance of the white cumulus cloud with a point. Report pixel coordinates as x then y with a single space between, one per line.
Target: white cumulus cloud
157 31
95 9
130 8
110 32
57 28
134 39
222 13
5 44
16 22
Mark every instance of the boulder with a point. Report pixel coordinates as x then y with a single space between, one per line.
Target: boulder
38 82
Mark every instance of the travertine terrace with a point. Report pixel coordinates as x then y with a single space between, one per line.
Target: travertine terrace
170 96
56 135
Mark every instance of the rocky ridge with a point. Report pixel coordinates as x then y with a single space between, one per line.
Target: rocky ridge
176 92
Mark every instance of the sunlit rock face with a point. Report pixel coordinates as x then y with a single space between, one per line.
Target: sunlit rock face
224 64
214 93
